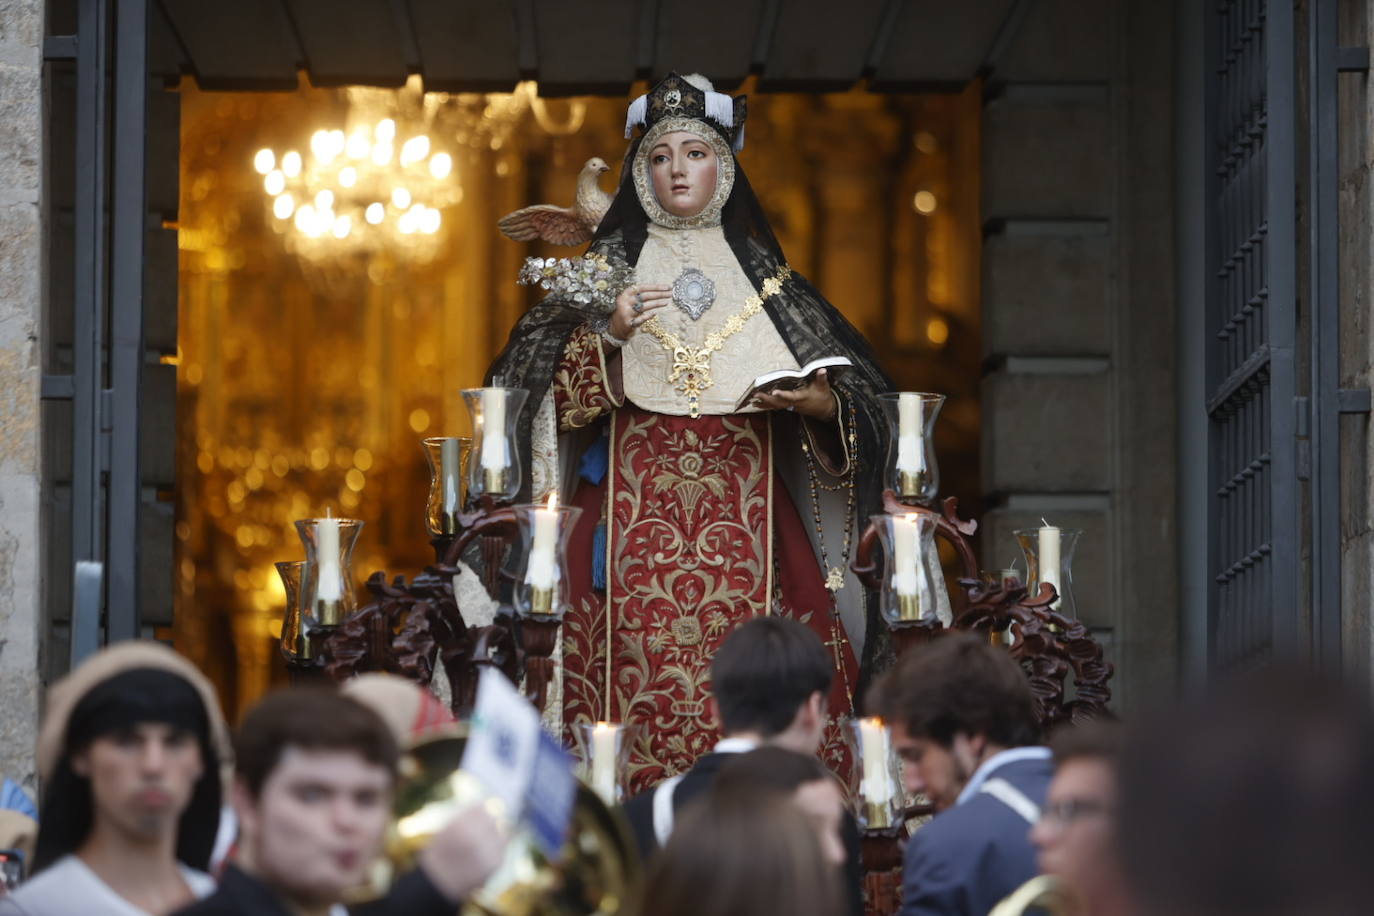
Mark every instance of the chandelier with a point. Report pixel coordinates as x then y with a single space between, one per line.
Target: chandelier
360 190
381 181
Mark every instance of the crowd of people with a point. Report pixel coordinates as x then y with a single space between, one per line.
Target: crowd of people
1245 799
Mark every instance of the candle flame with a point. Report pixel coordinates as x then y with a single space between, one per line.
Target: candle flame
552 503
605 726
876 721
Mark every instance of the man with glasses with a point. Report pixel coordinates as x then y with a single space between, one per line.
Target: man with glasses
1076 835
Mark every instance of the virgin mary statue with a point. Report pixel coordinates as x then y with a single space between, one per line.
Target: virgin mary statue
697 513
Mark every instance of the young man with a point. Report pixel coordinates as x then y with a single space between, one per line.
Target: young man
129 754
769 684
1076 834
315 776
963 721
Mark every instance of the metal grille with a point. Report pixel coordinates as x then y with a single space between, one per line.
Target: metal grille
1252 516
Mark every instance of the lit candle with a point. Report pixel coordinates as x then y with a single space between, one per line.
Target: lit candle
905 556
494 430
448 472
329 586
1049 557
605 737
875 785
542 570
911 453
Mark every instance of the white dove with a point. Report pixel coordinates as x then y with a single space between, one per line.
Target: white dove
564 225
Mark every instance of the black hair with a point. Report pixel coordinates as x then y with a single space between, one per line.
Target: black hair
116 704
764 671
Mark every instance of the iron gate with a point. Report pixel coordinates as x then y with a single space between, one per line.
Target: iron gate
1253 610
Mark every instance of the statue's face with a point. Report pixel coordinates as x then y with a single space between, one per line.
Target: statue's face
683 167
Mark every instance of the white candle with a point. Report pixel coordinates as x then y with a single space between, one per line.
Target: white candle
876 783
911 453
329 586
542 571
904 554
603 762
448 472
494 429
1049 557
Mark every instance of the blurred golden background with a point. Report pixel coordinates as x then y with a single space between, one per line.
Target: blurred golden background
322 336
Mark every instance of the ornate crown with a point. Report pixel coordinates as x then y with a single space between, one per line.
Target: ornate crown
691 96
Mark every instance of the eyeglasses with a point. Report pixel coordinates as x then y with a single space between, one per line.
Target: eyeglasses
1065 812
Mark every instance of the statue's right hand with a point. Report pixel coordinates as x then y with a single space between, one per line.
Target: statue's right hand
633 306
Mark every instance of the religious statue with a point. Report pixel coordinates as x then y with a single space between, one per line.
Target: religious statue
698 512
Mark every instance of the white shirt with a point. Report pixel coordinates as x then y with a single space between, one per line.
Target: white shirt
69 887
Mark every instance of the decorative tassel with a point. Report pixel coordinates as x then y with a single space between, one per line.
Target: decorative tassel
639 109
720 108
599 557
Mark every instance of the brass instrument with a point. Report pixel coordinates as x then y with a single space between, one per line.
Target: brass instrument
595 874
1041 892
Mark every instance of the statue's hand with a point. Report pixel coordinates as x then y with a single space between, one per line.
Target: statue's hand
634 305
814 399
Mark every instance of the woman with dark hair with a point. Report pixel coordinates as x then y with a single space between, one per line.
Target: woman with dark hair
701 508
755 856
129 755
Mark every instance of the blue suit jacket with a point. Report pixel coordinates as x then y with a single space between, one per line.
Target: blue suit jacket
971 856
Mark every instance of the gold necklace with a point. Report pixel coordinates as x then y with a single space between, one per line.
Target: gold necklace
692 365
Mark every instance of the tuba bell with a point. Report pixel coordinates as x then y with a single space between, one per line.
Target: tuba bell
1043 892
595 873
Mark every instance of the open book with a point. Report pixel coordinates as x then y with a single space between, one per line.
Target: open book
789 379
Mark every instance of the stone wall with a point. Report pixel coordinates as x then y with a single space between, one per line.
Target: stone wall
1079 309
21 290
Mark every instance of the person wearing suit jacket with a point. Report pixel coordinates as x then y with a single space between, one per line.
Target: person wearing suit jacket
963 721
769 684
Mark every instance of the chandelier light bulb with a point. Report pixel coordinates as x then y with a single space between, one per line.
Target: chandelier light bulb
336 142
348 176
324 200
342 226
406 223
274 183
283 207
357 146
414 150
381 154
264 161
429 221
440 165
319 143
291 164
305 218
375 213
385 130
400 198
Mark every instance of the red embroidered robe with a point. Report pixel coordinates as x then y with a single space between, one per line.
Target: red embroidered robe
701 534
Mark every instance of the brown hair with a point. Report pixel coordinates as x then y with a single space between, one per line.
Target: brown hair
309 718
754 857
958 684
1097 739
768 770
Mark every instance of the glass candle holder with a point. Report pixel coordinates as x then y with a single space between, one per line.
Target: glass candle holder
542 590
913 473
448 470
880 774
1049 558
494 469
909 583
604 751
327 583
295 635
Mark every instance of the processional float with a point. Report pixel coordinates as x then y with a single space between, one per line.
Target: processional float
414 628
